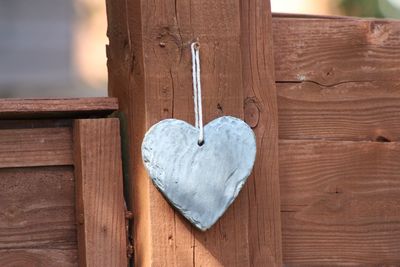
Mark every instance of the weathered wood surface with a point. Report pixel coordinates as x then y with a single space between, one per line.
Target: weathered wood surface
35 147
261 113
340 203
337 82
150 72
37 216
99 193
64 107
332 51
347 111
47 257
337 78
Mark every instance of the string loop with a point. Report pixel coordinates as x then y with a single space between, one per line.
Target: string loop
198 109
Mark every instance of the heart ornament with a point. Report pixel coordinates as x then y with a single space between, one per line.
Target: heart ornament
200 180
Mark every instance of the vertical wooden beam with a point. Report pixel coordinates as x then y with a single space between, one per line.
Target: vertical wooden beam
99 193
150 72
261 113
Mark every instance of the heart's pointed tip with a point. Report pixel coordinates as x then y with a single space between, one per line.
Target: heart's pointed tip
203 228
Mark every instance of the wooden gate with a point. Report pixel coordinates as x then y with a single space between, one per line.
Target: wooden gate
323 97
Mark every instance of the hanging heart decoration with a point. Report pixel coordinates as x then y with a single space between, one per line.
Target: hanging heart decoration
200 170
200 181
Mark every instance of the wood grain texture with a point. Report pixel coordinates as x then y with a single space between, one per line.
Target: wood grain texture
334 89
67 107
337 83
35 147
125 71
99 193
340 203
333 51
39 258
150 72
261 113
37 214
347 111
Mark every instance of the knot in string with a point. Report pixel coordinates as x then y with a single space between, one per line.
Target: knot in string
198 109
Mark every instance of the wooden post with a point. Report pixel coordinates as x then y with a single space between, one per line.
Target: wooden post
99 193
150 72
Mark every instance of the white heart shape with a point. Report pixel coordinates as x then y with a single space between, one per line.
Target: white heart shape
200 181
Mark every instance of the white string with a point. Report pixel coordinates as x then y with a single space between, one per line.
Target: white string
194 71
198 109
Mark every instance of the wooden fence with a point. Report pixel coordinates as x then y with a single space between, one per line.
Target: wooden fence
61 198
338 87
322 95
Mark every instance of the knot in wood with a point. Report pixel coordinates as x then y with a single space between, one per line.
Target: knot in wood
251 112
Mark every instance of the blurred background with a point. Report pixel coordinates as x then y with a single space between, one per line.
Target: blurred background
56 48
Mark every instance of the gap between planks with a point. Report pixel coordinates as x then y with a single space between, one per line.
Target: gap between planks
15 108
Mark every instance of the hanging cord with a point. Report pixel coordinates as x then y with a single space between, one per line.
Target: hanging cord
198 109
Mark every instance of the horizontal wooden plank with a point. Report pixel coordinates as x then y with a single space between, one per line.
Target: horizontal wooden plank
38 258
35 147
37 209
347 111
340 203
332 51
68 107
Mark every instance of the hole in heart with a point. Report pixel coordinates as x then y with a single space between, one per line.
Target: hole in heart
200 143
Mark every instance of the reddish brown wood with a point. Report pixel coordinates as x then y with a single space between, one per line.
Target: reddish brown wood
150 72
38 257
337 80
347 111
37 216
63 107
99 193
333 88
334 51
340 203
35 147
37 207
261 113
